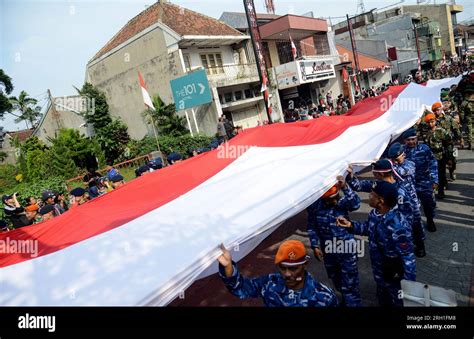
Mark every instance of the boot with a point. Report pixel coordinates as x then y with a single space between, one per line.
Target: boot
430 226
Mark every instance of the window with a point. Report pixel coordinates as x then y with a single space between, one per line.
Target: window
238 95
284 51
212 62
187 62
248 94
228 97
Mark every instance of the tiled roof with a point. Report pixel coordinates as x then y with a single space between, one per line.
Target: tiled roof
22 135
181 20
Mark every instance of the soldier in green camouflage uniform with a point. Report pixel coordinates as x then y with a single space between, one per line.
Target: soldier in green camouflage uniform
453 133
465 113
436 140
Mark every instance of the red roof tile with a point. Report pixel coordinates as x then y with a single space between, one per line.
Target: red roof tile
22 135
181 20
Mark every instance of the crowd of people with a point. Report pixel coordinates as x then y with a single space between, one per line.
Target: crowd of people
404 182
54 203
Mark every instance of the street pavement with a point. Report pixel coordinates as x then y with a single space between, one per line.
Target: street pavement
448 263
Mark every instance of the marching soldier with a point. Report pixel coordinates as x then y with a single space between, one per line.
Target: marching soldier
405 175
426 174
390 243
453 135
436 139
383 171
291 286
341 267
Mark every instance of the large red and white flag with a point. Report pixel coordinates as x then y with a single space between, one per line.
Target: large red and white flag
149 240
146 96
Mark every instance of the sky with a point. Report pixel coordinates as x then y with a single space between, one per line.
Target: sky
47 44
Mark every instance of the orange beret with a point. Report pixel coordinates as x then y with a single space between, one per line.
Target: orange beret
32 208
429 117
331 193
436 105
291 253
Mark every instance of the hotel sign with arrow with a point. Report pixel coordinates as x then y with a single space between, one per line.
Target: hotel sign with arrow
191 90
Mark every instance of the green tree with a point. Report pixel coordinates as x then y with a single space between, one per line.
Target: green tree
111 134
7 177
6 87
164 117
29 112
61 162
3 156
113 139
38 166
29 145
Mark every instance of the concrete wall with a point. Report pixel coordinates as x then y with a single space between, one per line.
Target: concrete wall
8 148
228 57
377 78
49 126
274 53
117 76
374 48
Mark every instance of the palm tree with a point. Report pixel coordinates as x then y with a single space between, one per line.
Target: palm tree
164 117
26 105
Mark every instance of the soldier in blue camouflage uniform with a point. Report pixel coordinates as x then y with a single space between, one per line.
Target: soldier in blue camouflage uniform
404 171
383 170
390 244
426 174
292 286
341 267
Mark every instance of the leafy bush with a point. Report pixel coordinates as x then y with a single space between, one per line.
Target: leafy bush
35 189
7 177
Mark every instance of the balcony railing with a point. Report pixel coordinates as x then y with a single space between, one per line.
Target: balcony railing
231 74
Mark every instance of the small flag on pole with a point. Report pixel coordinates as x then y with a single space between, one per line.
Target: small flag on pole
146 97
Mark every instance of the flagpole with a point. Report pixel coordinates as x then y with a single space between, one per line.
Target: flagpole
156 133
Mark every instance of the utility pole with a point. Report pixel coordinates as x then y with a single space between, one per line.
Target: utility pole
270 6
417 46
354 50
259 52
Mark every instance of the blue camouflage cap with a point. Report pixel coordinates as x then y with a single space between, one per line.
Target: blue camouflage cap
382 165
410 133
387 191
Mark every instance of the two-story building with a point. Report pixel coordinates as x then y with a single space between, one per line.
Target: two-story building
165 42
314 71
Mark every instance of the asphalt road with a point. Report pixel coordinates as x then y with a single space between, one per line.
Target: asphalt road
448 263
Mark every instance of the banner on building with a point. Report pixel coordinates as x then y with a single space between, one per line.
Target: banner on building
300 72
